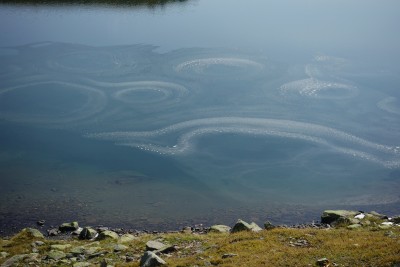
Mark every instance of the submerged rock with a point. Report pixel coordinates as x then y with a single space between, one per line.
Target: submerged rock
219 228
244 226
150 259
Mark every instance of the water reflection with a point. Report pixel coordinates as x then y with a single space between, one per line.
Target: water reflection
124 3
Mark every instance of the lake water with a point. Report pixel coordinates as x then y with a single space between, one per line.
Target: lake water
198 112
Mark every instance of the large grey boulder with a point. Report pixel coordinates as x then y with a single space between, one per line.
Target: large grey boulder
219 228
67 227
107 234
32 233
244 226
338 216
88 233
150 259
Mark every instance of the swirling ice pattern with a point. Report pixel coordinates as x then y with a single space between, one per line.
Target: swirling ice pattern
96 100
389 105
342 142
170 92
199 65
316 88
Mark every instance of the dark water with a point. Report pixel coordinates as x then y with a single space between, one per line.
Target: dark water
251 121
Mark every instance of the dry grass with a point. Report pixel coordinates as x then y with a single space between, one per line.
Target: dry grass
278 247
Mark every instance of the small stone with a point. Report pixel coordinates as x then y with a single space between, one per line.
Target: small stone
4 254
39 243
168 249
87 233
81 264
77 251
229 255
53 232
150 259
154 245
107 235
41 222
120 247
323 262
56 255
187 230
60 247
126 238
68 227
219 228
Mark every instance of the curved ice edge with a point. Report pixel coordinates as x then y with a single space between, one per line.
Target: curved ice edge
186 132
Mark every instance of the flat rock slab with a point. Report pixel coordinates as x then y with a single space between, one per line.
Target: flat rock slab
219 228
154 245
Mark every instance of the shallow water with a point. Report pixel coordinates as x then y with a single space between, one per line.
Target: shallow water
146 137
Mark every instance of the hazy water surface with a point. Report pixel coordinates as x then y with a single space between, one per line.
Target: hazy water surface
156 120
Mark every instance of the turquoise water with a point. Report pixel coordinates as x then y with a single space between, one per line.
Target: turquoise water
149 127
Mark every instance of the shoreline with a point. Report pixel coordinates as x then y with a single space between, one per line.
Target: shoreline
341 238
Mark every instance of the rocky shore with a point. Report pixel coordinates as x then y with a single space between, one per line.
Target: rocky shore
242 244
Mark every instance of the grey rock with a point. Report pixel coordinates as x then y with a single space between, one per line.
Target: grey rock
244 226
154 245
32 233
81 264
56 255
396 219
3 254
268 225
126 238
380 216
77 251
150 259
219 228
60 247
53 232
107 235
87 233
120 247
68 227
337 216
39 243
13 261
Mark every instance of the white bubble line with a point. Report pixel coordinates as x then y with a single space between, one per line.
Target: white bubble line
186 132
171 92
389 105
95 103
198 65
312 87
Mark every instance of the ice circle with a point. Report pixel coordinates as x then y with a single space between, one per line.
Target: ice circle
315 88
219 66
50 102
186 132
148 92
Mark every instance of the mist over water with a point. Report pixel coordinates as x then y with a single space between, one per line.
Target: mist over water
123 132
